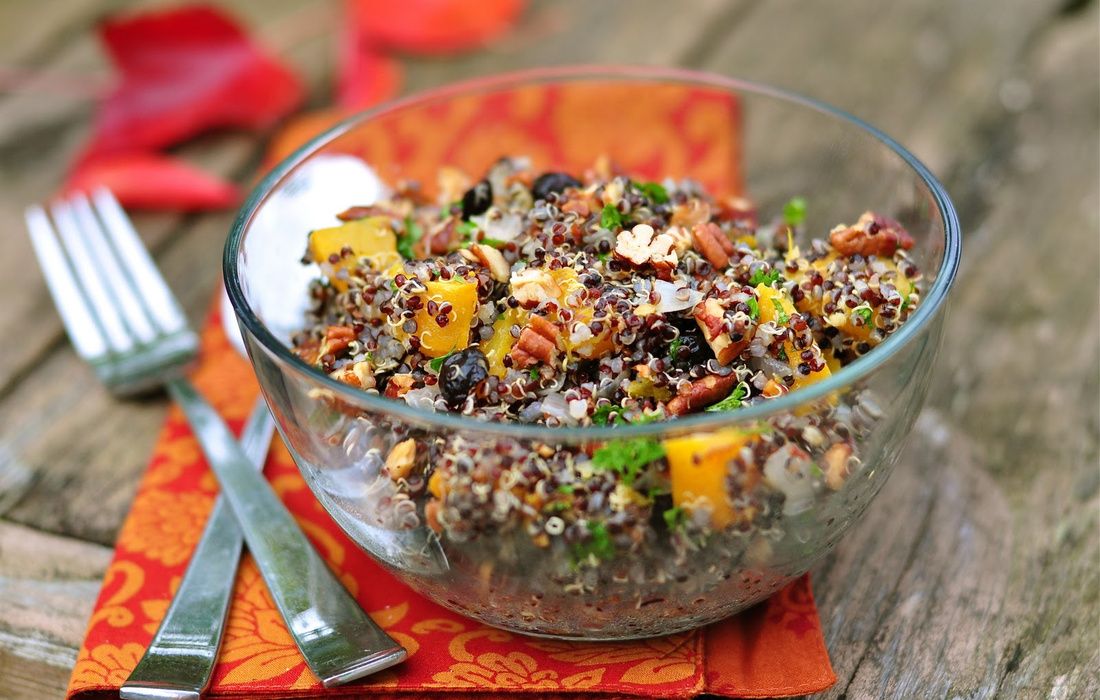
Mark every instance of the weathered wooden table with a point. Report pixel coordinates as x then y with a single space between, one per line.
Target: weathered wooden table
976 573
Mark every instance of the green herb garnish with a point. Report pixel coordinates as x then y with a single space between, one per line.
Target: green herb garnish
604 257
653 191
754 308
409 238
781 315
610 217
495 242
762 277
602 415
905 303
674 517
794 211
466 229
733 401
674 347
599 545
533 373
782 354
865 313
437 363
565 488
627 458
815 471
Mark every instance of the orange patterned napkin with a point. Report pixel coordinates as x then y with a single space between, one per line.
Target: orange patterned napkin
774 649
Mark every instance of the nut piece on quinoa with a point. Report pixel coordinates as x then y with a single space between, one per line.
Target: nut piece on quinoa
640 247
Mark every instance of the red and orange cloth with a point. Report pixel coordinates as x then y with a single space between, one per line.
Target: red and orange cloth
774 649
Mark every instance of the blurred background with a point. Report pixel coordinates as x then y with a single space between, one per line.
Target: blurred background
976 572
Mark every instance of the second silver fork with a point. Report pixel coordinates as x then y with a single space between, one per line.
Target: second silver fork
123 319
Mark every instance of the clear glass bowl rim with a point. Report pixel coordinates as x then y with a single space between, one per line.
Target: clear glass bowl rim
931 305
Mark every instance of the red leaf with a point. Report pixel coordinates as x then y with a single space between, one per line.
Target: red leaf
150 181
184 71
433 26
367 76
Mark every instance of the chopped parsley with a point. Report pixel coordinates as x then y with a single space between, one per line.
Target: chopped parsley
674 347
409 238
466 229
533 373
781 315
754 308
732 401
602 416
437 363
815 471
604 257
782 354
905 304
627 458
761 277
654 191
865 313
565 488
495 242
794 211
610 217
599 544
674 517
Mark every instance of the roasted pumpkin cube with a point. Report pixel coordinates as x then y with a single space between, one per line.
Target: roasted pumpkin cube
372 237
447 332
698 466
500 343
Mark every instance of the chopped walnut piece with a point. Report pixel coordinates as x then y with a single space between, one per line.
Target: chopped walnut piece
400 460
358 375
492 259
702 393
538 342
837 460
532 286
398 386
691 213
640 247
872 234
710 314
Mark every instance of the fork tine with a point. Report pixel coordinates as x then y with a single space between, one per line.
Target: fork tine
79 322
127 298
103 307
159 301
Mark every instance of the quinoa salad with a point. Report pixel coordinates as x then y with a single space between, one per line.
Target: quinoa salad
598 298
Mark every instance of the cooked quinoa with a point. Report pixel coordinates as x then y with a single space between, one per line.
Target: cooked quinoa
601 299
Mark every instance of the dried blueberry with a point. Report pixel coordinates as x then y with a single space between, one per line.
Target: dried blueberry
552 182
477 199
460 373
690 347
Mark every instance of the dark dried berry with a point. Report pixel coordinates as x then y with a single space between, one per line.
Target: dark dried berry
552 182
477 199
692 350
461 373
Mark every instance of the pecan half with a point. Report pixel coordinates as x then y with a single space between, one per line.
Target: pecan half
872 234
702 393
337 338
837 459
713 244
710 314
438 241
737 210
538 342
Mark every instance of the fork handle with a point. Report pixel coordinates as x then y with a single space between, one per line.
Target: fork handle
179 661
339 641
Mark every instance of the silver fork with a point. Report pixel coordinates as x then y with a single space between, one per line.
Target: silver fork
122 318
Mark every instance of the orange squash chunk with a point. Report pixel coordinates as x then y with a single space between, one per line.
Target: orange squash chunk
437 340
698 467
371 237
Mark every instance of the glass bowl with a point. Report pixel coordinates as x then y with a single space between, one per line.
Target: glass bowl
591 581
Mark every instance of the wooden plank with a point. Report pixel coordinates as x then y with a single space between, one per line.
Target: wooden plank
48 585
